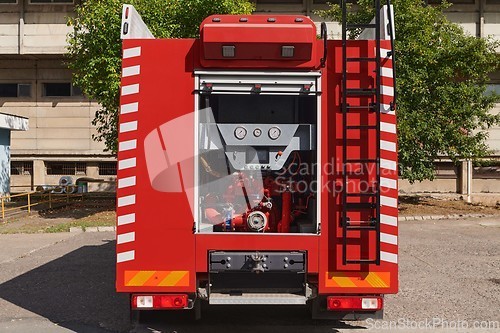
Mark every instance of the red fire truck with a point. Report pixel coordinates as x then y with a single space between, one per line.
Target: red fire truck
257 164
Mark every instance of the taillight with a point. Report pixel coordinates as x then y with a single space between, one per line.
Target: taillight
159 301
338 303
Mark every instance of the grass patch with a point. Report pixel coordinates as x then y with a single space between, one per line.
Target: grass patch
56 223
64 227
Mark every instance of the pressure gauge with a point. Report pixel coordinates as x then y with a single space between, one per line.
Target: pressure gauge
274 132
257 132
240 132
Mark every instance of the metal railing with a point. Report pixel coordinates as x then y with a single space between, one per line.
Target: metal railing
25 202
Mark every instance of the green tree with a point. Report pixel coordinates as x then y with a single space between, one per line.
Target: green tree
94 51
442 73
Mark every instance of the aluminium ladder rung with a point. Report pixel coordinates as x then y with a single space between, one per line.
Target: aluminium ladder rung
350 206
362 160
361 261
361 194
349 127
361 228
360 107
360 92
361 59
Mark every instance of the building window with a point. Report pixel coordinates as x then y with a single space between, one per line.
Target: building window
66 168
21 168
107 169
493 88
15 89
451 1
44 2
279 1
8 1
60 89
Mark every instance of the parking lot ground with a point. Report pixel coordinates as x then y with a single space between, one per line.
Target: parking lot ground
15 246
449 279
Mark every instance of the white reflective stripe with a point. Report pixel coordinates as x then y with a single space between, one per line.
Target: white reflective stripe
388 127
126 201
388 238
387 145
126 164
125 256
129 108
388 201
132 52
389 257
387 164
386 109
128 127
387 182
130 89
387 90
127 145
384 52
132 70
387 72
389 220
126 219
126 182
127 238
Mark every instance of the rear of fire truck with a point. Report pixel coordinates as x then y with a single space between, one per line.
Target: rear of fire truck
258 165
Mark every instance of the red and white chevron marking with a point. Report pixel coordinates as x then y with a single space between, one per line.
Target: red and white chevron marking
127 155
388 165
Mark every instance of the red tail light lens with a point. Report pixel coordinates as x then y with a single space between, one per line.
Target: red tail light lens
159 301
335 303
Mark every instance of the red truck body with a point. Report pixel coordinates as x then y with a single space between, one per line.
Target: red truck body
164 247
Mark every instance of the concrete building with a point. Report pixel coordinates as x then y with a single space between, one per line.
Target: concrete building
8 123
35 83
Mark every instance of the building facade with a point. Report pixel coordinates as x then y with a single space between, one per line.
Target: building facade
35 83
8 123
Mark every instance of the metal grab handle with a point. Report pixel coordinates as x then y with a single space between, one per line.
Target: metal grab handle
393 51
324 35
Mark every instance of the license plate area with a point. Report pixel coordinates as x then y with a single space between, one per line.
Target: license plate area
257 262
257 277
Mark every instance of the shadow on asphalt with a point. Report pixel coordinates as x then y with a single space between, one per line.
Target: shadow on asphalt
242 319
76 289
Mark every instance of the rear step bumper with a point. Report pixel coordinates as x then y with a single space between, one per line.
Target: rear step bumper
257 299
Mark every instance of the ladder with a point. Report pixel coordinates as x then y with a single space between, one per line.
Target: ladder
369 201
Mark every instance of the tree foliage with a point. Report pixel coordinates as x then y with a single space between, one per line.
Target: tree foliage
94 51
442 73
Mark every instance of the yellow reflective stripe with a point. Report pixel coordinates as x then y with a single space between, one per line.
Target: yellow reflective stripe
375 280
140 278
358 279
343 281
172 278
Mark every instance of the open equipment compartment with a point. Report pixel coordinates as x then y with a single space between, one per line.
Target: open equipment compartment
257 152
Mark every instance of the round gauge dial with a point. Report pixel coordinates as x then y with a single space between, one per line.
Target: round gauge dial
274 132
257 132
240 132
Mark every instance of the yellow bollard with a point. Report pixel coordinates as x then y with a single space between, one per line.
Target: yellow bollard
29 203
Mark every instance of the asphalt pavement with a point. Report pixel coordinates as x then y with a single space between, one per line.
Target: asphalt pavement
449 281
